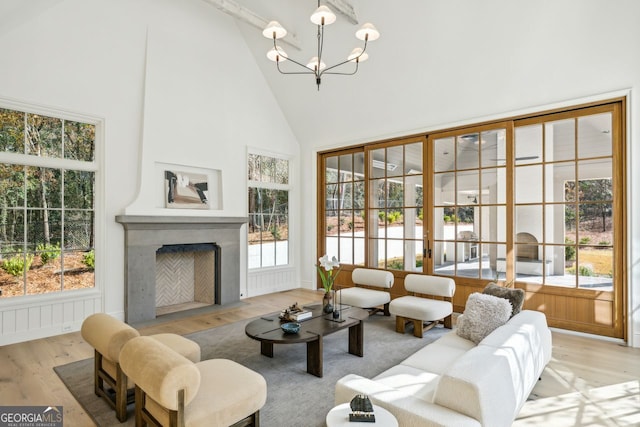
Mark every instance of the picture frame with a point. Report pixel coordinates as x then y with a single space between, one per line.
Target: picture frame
186 190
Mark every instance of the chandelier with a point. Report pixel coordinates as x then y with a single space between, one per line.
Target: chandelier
321 17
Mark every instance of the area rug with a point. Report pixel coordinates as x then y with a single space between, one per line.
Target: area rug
294 397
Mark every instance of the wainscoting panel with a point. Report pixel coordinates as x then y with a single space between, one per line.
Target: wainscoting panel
44 318
268 281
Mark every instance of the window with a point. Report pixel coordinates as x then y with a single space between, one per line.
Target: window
47 181
268 228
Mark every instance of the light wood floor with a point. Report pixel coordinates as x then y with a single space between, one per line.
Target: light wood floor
589 382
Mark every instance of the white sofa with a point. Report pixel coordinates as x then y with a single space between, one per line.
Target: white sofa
453 382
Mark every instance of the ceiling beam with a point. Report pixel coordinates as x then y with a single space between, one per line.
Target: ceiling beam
345 8
231 7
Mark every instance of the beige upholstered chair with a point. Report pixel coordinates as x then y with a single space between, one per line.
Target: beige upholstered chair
107 335
366 297
170 390
418 310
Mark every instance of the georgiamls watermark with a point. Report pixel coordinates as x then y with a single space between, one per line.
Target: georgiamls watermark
31 416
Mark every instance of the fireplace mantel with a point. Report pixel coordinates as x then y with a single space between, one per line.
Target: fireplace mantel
158 221
145 234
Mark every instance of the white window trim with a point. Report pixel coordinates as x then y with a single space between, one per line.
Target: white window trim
287 187
97 166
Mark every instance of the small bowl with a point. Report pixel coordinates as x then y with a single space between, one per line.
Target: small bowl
290 328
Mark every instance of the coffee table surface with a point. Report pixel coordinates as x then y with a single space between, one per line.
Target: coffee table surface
267 328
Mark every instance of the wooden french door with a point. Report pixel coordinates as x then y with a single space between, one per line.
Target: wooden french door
537 203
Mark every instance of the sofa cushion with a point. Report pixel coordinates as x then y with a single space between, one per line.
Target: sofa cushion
362 297
408 409
416 382
439 355
418 308
525 332
484 384
514 296
482 314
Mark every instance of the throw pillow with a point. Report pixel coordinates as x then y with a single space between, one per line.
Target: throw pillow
514 296
482 314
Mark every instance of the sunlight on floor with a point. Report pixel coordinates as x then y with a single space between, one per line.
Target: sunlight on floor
614 405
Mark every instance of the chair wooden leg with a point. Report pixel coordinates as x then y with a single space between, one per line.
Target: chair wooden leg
252 420
400 323
97 379
448 321
386 310
121 394
140 402
418 328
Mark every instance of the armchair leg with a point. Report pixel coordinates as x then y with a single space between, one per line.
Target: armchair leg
418 328
97 379
121 395
400 323
448 321
252 420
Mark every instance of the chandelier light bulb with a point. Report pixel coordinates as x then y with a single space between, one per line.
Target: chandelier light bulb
368 32
353 56
313 63
277 54
274 30
323 12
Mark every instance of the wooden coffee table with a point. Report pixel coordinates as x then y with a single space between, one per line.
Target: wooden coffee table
267 330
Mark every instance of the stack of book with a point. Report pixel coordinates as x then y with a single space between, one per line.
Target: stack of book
301 315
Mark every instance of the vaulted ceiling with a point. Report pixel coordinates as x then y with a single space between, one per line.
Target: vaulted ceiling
438 62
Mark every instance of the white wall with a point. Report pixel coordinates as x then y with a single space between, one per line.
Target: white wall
173 81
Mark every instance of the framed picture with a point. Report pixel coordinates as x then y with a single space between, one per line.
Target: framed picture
186 190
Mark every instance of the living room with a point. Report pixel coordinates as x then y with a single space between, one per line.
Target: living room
184 85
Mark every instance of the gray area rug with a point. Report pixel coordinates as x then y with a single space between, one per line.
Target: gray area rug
294 398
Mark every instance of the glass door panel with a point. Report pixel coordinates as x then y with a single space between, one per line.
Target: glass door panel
396 206
469 203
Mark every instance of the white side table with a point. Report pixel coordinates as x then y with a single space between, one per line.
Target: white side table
339 417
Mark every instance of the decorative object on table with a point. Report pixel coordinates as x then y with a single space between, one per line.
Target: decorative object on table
362 410
337 310
294 313
290 327
328 277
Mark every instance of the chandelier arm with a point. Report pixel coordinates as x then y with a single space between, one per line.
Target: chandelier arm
344 74
364 49
294 72
294 61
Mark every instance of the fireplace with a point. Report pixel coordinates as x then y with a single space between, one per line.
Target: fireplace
187 276
145 236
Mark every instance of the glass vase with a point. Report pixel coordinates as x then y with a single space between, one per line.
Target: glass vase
327 302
